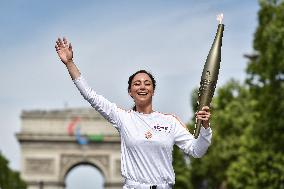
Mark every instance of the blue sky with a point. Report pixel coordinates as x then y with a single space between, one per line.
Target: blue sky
111 40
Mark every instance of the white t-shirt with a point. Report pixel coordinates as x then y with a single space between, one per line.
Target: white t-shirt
147 139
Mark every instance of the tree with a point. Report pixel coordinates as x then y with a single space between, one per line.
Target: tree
9 179
248 119
261 160
182 170
230 117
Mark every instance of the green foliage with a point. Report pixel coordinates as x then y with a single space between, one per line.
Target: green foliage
248 119
9 179
230 118
261 161
257 170
182 170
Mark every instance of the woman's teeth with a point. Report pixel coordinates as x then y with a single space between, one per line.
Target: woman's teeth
142 93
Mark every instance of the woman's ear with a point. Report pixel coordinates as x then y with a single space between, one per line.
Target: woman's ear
130 93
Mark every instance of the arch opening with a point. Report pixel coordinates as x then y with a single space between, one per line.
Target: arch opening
84 175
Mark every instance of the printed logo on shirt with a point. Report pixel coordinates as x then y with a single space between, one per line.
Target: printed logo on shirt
161 128
148 135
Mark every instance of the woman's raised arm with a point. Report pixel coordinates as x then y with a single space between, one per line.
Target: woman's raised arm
65 53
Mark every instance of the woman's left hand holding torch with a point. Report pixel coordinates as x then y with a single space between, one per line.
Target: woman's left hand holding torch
204 115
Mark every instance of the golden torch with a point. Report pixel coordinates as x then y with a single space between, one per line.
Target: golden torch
210 73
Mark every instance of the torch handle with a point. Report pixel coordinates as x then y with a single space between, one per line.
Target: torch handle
198 125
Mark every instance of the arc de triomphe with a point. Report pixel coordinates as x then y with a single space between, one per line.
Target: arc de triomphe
51 146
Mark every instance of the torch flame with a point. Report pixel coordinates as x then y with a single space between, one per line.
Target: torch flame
220 18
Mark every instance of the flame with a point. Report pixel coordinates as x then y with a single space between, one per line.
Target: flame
220 18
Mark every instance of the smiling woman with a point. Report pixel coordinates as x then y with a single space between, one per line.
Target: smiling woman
141 86
147 136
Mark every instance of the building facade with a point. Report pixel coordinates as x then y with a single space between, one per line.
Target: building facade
53 142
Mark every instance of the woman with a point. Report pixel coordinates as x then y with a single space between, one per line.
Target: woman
147 136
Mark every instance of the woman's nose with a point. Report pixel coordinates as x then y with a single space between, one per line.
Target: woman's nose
142 86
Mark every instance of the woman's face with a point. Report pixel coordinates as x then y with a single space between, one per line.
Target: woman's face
141 89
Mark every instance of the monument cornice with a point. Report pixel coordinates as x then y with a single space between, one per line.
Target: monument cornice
26 137
84 113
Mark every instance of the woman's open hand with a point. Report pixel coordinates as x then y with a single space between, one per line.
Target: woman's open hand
64 50
204 115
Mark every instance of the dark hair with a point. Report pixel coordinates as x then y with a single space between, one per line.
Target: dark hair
141 71
132 77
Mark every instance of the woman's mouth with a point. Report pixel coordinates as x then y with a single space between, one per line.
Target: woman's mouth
142 93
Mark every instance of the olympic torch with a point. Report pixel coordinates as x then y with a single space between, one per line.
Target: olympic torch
210 74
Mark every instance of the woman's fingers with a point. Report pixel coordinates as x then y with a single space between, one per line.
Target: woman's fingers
203 117
65 41
61 44
205 108
57 45
203 114
64 50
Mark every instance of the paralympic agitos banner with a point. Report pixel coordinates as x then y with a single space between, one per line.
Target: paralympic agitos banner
74 128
